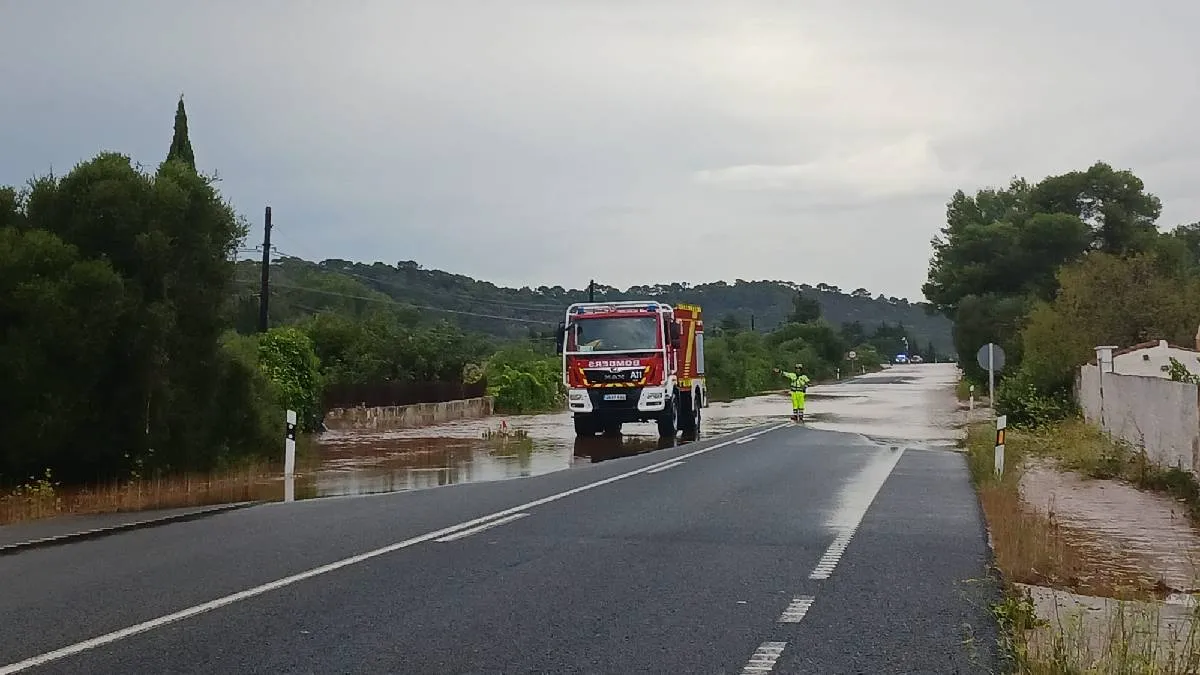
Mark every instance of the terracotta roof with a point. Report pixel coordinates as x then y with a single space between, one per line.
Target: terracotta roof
1148 345
1143 345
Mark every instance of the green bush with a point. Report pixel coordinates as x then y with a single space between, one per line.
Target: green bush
521 380
1026 405
252 411
287 357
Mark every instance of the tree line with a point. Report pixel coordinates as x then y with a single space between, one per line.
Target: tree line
301 286
1050 270
740 362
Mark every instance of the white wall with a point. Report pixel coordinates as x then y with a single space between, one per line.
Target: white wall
1150 412
1149 361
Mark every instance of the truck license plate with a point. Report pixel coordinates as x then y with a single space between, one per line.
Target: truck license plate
614 397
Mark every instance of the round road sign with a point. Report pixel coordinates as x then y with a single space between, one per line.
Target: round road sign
852 356
981 357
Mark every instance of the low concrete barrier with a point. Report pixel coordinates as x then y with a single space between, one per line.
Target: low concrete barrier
407 416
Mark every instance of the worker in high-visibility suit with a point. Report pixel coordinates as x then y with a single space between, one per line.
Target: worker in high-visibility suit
798 384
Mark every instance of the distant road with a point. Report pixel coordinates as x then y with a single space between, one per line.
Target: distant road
776 549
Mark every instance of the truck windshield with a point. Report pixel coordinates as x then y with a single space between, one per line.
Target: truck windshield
612 334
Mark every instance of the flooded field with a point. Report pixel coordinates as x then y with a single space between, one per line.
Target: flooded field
907 402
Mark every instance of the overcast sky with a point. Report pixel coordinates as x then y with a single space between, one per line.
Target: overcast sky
534 142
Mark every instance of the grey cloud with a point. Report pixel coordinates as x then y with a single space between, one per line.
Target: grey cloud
544 142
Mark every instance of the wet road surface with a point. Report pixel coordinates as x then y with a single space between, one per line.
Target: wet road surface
886 406
777 548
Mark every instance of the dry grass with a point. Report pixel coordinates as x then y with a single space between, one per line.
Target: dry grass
1031 547
42 498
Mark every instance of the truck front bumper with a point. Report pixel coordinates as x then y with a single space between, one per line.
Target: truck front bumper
625 404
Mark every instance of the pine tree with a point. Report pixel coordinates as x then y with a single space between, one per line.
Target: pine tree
181 146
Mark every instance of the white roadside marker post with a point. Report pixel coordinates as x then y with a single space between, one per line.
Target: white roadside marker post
289 458
1001 425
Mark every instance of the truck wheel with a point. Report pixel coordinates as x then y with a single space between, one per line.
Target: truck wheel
689 416
585 425
668 420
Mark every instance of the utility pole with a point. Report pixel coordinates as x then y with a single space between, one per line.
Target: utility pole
265 290
751 323
592 290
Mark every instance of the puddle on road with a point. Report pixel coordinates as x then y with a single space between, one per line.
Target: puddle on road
1138 531
906 402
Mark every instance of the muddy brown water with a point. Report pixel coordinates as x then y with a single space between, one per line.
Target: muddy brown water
1132 530
905 403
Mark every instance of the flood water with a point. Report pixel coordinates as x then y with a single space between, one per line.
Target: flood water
1135 531
912 403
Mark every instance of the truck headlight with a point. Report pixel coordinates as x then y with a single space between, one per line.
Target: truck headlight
576 396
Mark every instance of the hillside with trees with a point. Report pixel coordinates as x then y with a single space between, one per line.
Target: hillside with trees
301 288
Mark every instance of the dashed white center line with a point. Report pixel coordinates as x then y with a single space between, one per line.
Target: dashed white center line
797 609
476 530
664 467
763 659
855 499
833 555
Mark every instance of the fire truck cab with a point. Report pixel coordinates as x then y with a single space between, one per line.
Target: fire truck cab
633 361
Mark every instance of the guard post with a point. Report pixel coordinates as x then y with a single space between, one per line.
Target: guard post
1001 425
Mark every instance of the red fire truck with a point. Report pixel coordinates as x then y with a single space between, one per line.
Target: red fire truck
640 361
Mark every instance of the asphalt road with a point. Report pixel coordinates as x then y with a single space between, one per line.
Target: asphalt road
777 549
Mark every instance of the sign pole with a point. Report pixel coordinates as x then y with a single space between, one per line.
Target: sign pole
992 375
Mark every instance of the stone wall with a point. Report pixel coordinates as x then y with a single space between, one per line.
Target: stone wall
407 416
1153 413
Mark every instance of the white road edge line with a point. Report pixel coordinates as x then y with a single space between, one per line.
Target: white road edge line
480 528
108 638
858 497
660 469
763 659
796 609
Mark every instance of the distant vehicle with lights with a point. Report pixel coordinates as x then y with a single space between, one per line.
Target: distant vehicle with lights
901 358
633 361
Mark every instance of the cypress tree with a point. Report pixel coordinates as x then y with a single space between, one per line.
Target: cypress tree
181 145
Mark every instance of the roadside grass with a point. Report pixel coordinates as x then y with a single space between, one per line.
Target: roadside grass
1032 547
1127 637
44 497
